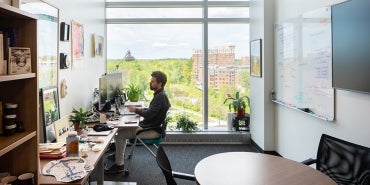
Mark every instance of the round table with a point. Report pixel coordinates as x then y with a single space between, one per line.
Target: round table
241 168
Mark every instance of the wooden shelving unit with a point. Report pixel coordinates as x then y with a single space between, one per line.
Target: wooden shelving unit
19 152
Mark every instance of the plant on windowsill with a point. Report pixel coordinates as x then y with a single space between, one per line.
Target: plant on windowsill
79 118
237 103
185 124
133 92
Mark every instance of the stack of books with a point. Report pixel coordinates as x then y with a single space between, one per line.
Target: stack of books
52 150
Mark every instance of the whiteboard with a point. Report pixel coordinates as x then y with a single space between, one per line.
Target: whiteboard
303 63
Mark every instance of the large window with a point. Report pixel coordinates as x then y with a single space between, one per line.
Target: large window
173 36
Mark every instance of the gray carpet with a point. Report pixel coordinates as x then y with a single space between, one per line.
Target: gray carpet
145 171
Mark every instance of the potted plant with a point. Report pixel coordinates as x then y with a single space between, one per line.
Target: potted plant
238 103
133 92
79 118
185 124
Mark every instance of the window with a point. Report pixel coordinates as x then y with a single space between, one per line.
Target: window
169 36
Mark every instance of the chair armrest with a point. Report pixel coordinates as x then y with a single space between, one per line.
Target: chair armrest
183 176
147 129
309 161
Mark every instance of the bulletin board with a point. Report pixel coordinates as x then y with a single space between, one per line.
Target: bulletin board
303 64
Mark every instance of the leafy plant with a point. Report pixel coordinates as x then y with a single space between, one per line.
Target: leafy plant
185 123
133 92
237 102
79 116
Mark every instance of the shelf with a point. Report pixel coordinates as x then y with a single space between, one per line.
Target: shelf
5 78
8 143
308 112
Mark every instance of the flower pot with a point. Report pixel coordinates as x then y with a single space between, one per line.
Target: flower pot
240 113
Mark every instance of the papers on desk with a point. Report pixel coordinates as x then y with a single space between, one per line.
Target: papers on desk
102 133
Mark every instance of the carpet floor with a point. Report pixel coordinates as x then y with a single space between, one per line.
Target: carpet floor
144 169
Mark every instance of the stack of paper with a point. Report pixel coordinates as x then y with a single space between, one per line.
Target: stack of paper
52 150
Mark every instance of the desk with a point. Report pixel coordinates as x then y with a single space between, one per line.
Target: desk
94 158
241 168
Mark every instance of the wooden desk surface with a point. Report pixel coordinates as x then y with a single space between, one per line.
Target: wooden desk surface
241 168
92 159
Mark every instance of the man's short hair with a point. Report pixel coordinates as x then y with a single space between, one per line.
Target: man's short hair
160 76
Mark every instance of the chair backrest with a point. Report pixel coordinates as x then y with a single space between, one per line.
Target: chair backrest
346 163
164 164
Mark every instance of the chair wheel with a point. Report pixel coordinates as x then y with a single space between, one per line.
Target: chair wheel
127 172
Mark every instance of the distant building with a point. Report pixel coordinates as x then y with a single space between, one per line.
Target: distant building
222 67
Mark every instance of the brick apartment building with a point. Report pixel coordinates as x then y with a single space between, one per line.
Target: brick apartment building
223 69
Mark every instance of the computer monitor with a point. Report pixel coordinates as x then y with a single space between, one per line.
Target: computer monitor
110 86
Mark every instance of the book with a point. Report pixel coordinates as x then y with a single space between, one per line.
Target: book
1 116
2 62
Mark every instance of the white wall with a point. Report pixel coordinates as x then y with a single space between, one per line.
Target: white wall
296 134
262 109
83 77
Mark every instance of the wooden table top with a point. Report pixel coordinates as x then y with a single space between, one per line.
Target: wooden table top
241 168
92 159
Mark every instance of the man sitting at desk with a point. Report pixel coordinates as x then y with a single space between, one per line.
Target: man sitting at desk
153 117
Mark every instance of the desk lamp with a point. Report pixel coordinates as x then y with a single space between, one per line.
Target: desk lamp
128 57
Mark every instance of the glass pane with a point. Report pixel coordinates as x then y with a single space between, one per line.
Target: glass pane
47 46
228 12
165 47
144 0
228 69
154 12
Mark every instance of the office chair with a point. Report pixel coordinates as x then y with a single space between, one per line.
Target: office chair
346 163
164 164
148 141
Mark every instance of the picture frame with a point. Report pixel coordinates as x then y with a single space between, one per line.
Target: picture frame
50 112
64 31
19 60
256 58
98 45
77 35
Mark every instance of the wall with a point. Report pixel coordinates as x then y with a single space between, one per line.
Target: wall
297 135
262 109
83 77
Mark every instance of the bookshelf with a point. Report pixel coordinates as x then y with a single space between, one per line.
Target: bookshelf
19 152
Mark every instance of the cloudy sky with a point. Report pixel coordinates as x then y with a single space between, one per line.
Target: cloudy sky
150 41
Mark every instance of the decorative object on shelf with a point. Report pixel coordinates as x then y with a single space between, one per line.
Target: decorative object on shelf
241 123
77 41
19 60
256 57
133 92
98 45
64 31
79 118
185 124
64 62
63 89
50 111
238 103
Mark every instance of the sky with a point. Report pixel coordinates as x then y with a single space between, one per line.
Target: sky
153 41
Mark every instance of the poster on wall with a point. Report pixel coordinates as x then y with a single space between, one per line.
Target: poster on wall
98 45
77 41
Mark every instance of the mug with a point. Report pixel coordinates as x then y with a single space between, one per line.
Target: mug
26 179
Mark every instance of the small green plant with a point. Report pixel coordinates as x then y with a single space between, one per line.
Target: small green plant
185 124
133 92
79 116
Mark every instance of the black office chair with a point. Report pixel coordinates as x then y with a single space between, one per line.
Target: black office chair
164 164
346 163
